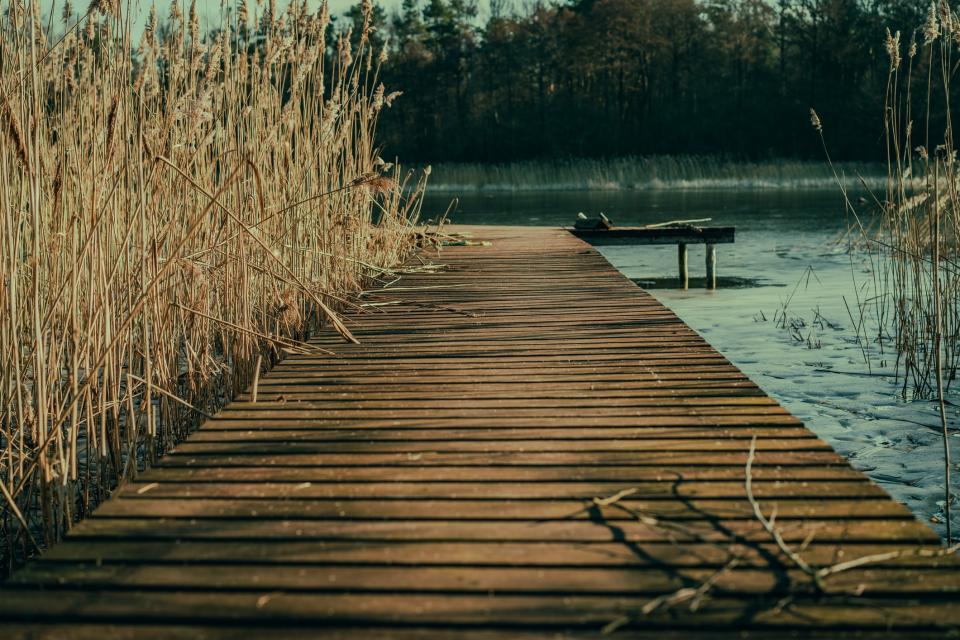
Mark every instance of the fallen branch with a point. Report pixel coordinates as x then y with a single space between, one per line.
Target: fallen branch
768 523
674 223
256 378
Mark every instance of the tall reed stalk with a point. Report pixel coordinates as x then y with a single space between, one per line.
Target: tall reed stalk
173 213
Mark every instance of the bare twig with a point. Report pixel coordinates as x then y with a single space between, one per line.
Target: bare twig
768 523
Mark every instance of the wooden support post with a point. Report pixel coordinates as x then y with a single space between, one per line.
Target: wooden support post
682 263
711 266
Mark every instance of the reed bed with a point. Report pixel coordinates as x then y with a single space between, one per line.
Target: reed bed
176 211
650 173
912 229
918 283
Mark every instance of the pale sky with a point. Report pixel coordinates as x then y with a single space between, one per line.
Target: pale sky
209 9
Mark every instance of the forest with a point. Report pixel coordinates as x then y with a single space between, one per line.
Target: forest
599 78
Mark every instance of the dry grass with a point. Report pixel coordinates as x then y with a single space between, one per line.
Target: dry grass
170 220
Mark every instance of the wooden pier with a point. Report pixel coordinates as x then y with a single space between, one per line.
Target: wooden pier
524 445
681 235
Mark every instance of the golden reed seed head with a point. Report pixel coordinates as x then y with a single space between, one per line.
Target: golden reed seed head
150 29
345 49
58 183
194 24
893 49
106 7
288 307
932 27
112 124
214 53
8 119
379 185
946 17
366 10
390 97
815 121
323 17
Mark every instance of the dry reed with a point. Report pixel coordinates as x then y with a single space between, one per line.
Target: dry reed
171 219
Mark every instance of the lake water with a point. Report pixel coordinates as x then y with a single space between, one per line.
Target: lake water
786 313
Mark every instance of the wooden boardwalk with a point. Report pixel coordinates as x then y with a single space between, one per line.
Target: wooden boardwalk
524 445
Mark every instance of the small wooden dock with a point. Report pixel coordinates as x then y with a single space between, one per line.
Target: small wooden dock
524 445
680 235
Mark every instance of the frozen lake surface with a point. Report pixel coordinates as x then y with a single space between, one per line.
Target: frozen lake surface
787 313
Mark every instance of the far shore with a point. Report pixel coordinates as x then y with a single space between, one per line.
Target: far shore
655 173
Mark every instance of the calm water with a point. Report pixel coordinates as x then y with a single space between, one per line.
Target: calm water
787 316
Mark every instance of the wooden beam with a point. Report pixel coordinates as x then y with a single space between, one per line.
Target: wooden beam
711 259
682 264
642 235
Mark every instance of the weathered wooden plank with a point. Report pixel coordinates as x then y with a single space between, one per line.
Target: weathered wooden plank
678 420
485 554
465 410
735 387
898 530
666 489
646 458
502 370
647 581
639 388
449 509
594 405
500 611
453 473
637 372
494 446
547 435
228 631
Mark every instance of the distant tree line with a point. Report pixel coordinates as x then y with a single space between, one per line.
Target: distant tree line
632 77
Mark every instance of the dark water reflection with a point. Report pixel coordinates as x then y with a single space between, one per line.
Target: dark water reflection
750 211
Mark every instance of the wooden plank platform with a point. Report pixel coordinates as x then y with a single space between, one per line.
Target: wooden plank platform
524 445
681 235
